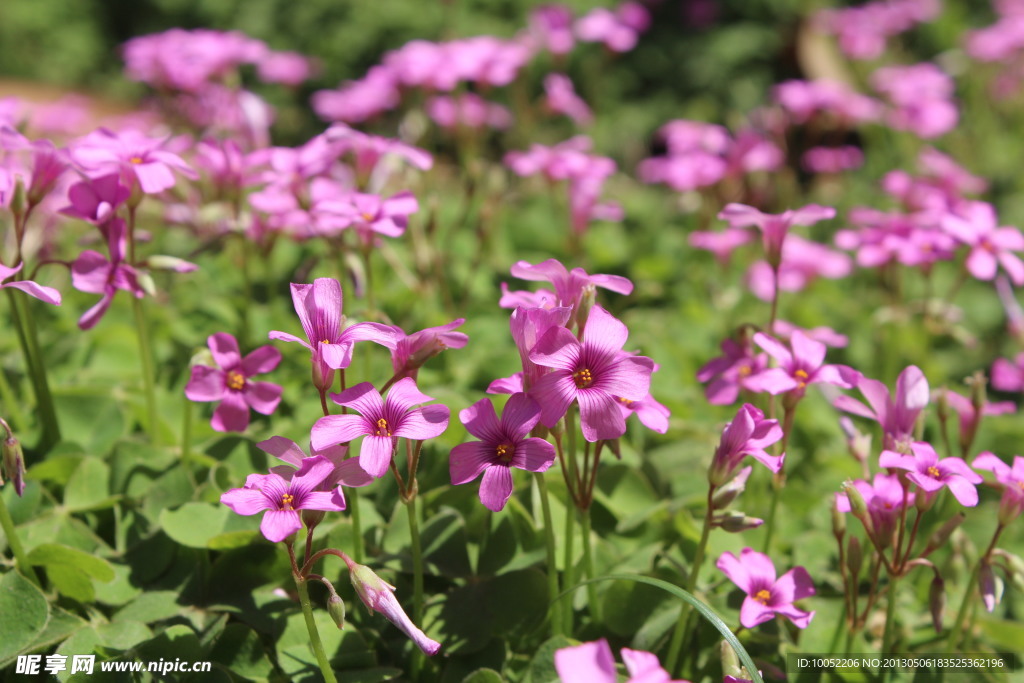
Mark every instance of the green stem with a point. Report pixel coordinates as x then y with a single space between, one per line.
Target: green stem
417 562
148 375
549 542
570 578
14 542
958 624
51 428
186 440
588 564
314 634
357 532
769 523
682 626
890 618
12 406
47 429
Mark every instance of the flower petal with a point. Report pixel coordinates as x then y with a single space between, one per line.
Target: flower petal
278 525
334 429
205 384
734 570
496 486
468 460
41 292
225 351
283 449
533 454
405 394
232 415
796 584
262 397
753 613
600 417
481 421
312 472
423 423
362 398
245 501
264 359
520 415
604 332
375 455
554 393
586 663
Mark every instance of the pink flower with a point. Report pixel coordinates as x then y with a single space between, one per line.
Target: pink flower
41 292
618 30
381 421
561 98
141 161
570 285
728 373
593 663
368 150
774 227
283 499
651 414
896 414
797 368
922 97
360 100
802 262
970 415
96 200
319 308
1009 479
415 349
1008 375
748 434
467 110
884 499
593 372
188 60
379 596
974 224
503 445
552 27
833 159
931 474
805 99
767 596
93 273
528 326
288 68
230 383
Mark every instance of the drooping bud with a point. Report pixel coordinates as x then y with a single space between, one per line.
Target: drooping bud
941 536
336 608
990 585
12 465
937 601
172 263
734 521
728 493
378 596
146 282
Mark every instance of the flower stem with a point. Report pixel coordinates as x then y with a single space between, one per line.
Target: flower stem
186 440
682 626
549 542
28 339
588 564
148 374
958 624
890 617
417 562
357 533
314 634
569 579
18 550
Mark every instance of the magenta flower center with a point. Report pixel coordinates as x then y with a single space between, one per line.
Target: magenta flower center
763 596
583 378
286 501
934 471
505 451
236 380
382 428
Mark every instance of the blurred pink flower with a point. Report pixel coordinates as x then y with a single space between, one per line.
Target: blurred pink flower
561 98
619 30
975 224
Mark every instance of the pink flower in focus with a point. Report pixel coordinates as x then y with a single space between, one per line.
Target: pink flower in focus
593 372
570 285
230 383
931 474
283 499
748 434
650 412
415 349
379 596
503 444
767 596
561 98
381 421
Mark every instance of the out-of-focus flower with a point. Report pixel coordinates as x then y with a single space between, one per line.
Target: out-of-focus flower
93 273
561 98
833 159
619 30
467 110
141 161
551 27
975 224
774 227
33 289
727 373
897 414
798 368
922 97
1009 478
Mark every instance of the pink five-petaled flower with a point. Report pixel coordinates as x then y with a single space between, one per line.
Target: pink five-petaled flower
503 445
774 227
96 199
230 383
347 471
767 596
975 224
139 160
379 596
748 434
1010 480
884 499
897 414
570 285
283 499
319 308
41 292
1008 375
799 367
596 373
594 663
931 474
381 421
93 273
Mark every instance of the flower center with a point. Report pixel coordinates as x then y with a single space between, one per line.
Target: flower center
382 428
135 160
934 471
583 378
745 370
763 596
505 451
801 378
625 401
325 341
236 380
286 501
368 217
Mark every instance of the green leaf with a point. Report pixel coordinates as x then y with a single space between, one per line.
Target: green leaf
483 676
627 605
122 634
25 612
151 607
542 666
56 468
51 553
95 419
231 539
194 524
239 649
1003 634
87 488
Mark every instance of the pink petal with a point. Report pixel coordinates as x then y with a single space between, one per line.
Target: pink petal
362 398
600 417
89 272
375 455
264 359
245 501
982 264
334 429
311 474
794 585
93 315
734 570
534 455
405 394
773 380
424 423
262 397
604 332
386 335
153 177
554 393
278 525
41 292
284 336
205 384
225 351
496 487
806 351
520 415
468 460
963 490
282 448
351 473
481 421
558 348
774 348
753 613
799 618
586 663
324 500
232 415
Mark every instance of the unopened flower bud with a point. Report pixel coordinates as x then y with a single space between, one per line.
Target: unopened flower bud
586 302
730 661
733 521
857 505
146 282
18 203
838 522
312 517
937 601
990 585
728 493
941 536
858 442
378 596
202 357
336 608
854 556
13 462
163 262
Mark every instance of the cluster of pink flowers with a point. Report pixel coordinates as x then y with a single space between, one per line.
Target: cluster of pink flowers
864 30
921 96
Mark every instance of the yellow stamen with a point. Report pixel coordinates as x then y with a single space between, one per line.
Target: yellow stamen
625 401
763 596
801 378
286 501
236 380
934 471
505 451
368 217
135 160
583 378
382 427
745 370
